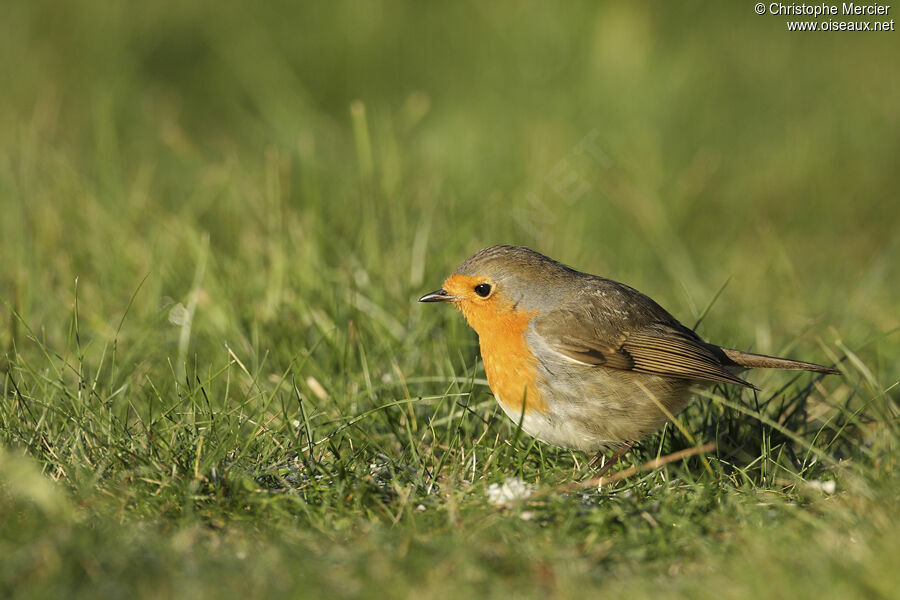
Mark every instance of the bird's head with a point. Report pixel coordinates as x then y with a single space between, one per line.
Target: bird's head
502 281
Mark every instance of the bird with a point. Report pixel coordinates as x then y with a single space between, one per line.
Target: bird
580 361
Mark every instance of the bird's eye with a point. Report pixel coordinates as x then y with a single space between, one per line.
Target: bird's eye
483 290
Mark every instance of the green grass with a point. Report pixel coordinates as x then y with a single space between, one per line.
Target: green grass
215 380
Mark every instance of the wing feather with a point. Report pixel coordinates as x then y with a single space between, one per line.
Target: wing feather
677 356
627 338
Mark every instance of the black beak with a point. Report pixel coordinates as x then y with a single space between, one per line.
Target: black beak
438 296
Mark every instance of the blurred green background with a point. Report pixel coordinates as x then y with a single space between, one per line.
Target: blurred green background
282 182
731 149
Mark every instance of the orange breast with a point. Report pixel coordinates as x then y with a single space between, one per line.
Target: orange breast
510 366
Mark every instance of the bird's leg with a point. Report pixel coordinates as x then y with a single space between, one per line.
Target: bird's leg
612 461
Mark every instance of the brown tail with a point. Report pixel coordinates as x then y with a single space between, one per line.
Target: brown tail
762 361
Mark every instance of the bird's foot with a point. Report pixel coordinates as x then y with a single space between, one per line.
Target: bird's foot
612 461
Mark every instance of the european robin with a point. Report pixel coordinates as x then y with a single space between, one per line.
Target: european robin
584 362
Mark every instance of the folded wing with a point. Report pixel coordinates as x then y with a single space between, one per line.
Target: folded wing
617 333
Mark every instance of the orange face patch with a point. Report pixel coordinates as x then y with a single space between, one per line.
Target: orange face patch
510 366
